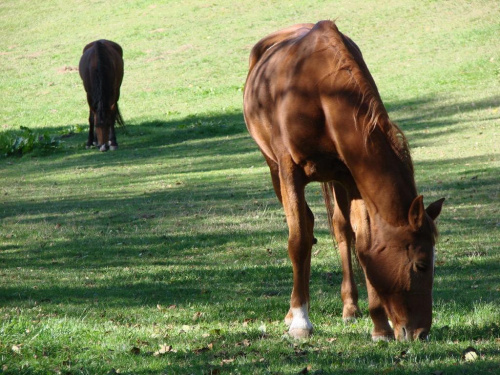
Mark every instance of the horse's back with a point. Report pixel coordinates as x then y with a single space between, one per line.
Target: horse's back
109 44
277 37
108 57
109 52
283 94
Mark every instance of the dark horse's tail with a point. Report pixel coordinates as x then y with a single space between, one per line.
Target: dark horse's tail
119 118
102 87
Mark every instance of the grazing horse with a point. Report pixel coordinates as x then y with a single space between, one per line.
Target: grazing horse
101 69
314 110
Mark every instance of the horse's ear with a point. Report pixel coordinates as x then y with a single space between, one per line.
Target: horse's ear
417 213
434 209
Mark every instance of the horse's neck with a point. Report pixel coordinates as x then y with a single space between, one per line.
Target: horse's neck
385 183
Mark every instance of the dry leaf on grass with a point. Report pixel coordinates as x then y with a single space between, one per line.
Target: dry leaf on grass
470 354
163 350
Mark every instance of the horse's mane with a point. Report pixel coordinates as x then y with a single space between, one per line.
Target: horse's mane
350 59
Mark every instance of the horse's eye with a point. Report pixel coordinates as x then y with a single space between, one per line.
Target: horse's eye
421 266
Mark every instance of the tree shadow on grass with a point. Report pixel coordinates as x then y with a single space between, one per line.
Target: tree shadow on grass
425 119
180 262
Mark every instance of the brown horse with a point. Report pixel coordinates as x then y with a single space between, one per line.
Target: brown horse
314 110
101 69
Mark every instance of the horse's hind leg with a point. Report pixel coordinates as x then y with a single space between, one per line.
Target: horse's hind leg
344 236
300 241
91 138
113 145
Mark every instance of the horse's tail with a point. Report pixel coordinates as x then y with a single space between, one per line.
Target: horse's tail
119 118
327 189
99 85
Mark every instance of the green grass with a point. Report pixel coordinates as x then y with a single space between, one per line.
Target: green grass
177 240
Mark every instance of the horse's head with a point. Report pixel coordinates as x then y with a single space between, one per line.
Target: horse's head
400 267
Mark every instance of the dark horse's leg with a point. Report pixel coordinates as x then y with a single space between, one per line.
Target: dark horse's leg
92 138
113 145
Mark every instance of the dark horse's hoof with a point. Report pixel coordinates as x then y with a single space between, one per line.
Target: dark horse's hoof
103 148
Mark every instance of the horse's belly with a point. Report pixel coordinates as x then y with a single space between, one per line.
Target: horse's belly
324 168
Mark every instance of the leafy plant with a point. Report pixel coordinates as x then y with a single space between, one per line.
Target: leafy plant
27 141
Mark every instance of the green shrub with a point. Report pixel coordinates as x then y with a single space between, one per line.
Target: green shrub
27 141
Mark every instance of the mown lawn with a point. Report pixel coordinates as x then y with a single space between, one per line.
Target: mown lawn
169 255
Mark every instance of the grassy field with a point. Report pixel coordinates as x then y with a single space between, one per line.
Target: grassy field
168 256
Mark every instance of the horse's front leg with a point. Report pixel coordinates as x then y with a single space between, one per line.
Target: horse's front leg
300 240
381 328
113 145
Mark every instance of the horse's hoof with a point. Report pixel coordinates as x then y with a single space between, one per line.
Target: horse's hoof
349 320
300 333
113 148
351 313
382 337
103 148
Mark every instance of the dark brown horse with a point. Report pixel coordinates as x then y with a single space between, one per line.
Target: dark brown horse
314 110
101 69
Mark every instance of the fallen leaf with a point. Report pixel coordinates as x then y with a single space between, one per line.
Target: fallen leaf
16 348
331 339
470 354
243 343
172 307
230 360
163 349
197 315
